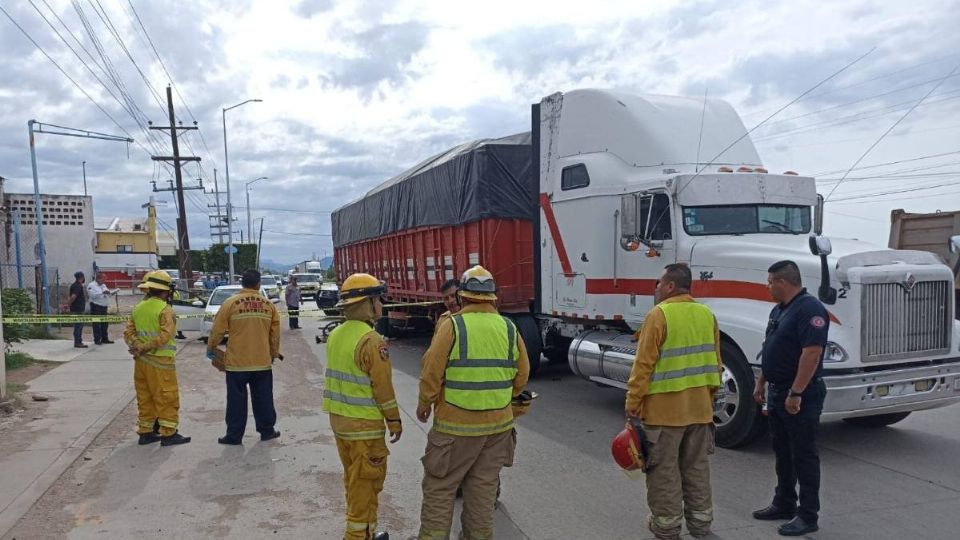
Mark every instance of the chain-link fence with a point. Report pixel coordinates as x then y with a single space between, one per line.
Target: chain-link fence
28 277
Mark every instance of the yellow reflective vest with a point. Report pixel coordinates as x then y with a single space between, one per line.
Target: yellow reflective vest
483 362
146 319
348 391
688 357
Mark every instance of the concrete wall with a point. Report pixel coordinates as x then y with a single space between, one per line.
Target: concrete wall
67 231
141 242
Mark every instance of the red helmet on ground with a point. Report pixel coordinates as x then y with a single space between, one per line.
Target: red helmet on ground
628 448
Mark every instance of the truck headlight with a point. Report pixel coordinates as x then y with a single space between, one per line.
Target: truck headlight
834 353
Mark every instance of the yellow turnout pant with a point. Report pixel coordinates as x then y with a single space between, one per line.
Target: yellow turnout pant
158 397
364 470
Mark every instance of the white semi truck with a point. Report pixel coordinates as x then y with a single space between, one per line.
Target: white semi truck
627 185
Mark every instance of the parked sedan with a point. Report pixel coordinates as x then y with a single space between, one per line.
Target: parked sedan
219 296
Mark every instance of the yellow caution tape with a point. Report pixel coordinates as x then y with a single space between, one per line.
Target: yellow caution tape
120 318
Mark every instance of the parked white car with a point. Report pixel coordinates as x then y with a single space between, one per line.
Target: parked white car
217 298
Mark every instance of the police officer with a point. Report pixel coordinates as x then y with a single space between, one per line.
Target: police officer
149 336
475 366
359 397
675 374
792 387
253 324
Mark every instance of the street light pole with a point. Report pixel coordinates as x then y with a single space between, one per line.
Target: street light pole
249 223
84 178
226 163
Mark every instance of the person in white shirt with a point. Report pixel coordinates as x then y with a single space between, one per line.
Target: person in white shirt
99 296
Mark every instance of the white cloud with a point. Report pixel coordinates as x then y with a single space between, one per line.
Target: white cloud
354 92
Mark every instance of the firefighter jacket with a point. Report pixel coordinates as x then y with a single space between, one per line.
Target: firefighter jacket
358 390
677 367
253 325
473 405
151 329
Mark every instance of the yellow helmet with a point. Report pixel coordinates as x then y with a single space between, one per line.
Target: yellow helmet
158 279
477 283
359 287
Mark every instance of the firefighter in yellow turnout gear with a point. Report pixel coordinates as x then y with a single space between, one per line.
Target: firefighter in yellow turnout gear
475 366
149 336
359 396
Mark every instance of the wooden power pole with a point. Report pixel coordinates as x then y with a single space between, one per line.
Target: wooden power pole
183 241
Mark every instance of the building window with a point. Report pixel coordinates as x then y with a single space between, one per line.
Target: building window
121 248
574 177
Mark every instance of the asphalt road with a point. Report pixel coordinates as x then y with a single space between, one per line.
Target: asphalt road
897 482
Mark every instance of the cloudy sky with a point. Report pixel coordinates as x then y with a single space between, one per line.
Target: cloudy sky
354 92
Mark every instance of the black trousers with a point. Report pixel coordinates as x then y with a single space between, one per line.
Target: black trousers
261 397
794 438
99 328
294 320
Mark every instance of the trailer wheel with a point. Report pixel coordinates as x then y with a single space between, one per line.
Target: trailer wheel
530 332
735 414
877 420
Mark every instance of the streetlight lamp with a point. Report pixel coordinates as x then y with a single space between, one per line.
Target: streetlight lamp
249 225
226 162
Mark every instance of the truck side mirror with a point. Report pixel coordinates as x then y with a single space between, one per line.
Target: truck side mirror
818 216
955 244
820 246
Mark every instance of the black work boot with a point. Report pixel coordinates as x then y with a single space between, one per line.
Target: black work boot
269 436
171 440
228 441
148 438
773 512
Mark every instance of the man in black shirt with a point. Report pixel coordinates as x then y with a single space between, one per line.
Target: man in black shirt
77 303
792 364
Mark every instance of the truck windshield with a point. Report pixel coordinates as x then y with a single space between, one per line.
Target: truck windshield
307 278
746 219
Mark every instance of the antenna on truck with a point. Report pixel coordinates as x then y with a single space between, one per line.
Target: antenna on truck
703 113
778 111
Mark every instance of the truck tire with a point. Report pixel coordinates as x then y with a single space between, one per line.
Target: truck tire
877 420
735 414
530 333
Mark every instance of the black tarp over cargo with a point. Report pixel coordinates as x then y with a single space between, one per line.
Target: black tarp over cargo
489 178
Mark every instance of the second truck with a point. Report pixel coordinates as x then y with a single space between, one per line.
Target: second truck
577 218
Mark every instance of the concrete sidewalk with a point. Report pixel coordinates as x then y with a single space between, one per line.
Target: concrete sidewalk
85 394
287 488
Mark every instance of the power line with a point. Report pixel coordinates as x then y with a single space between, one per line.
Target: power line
877 165
866 81
295 233
895 192
895 124
167 72
778 111
291 210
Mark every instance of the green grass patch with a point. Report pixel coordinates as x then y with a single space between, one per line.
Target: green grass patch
15 388
17 360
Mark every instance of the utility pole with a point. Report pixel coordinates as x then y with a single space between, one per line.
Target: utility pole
34 127
84 178
259 243
183 238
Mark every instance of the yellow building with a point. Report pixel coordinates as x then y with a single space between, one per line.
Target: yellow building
128 235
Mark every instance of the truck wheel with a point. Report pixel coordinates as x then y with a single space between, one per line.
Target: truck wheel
877 420
735 414
530 332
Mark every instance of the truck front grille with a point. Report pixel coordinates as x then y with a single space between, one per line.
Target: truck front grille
901 323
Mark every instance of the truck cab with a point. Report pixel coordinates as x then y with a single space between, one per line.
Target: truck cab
629 184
